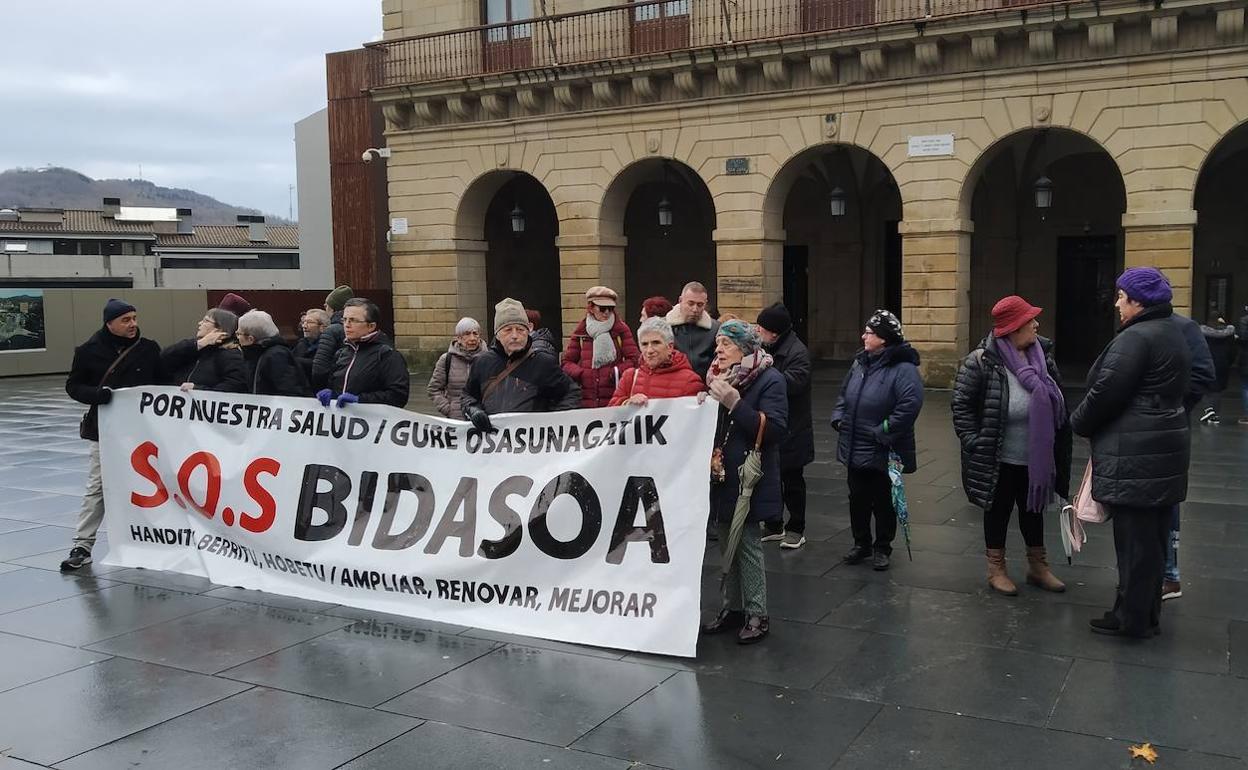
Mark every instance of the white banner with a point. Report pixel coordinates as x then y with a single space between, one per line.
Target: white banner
585 526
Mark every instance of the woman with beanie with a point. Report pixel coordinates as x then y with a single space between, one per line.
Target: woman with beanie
1133 414
332 338
450 373
600 350
879 402
212 359
746 385
1010 416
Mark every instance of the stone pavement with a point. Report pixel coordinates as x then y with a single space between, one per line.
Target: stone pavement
919 666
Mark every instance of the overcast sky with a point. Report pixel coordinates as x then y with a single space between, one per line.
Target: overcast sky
203 93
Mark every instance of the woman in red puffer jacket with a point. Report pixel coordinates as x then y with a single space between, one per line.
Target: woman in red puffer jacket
600 350
664 372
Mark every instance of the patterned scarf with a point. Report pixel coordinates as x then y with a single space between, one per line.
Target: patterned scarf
742 375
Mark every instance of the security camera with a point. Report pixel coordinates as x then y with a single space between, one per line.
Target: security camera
367 156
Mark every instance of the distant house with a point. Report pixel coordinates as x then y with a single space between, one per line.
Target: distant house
143 248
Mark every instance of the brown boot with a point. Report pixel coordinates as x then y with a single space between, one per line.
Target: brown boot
998 579
1038 572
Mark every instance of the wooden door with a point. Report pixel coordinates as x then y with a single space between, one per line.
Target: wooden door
836 14
660 26
508 47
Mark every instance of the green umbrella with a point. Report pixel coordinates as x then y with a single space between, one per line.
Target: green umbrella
749 474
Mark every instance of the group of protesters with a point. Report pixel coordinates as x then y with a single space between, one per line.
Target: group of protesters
1009 412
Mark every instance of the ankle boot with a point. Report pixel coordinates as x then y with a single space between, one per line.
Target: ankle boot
1038 572
998 579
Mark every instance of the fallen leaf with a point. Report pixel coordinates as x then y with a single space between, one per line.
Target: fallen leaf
1145 752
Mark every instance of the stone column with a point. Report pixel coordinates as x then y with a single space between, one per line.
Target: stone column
749 269
1164 240
936 293
584 261
436 282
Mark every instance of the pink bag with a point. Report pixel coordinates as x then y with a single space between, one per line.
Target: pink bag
1082 508
1087 509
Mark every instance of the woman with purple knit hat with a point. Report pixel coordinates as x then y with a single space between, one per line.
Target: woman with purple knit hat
1010 416
1134 416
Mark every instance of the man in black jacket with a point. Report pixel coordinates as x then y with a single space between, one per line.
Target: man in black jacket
116 356
792 359
511 377
367 370
332 338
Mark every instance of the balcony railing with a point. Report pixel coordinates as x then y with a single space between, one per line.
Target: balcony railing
636 29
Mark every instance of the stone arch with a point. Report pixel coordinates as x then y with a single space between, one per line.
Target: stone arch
660 258
1220 271
1063 257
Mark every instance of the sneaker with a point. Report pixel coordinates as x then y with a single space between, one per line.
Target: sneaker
793 540
771 537
1209 415
1215 420
879 562
856 555
1171 589
78 558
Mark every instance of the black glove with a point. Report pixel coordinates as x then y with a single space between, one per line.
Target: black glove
836 425
479 419
105 395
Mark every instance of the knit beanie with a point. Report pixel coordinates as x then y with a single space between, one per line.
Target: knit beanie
886 326
740 334
116 308
466 325
1146 285
776 319
235 304
509 311
337 299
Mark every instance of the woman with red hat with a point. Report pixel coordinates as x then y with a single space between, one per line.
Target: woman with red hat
1011 419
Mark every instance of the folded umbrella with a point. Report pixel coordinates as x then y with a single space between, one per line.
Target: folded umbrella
749 474
899 498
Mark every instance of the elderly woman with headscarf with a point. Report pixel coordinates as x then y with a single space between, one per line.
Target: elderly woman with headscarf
874 416
664 371
450 373
1133 414
211 360
748 388
1010 417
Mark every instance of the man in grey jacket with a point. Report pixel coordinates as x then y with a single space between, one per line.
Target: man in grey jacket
693 327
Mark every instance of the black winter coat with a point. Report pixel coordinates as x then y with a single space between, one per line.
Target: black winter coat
981 399
736 432
1241 333
543 342
216 367
792 360
304 352
537 384
1134 414
372 370
331 341
141 366
878 388
1202 374
275 371
1221 342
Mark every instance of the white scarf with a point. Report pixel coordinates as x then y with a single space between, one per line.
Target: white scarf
604 346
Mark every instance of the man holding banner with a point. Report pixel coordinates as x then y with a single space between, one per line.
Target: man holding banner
116 356
510 377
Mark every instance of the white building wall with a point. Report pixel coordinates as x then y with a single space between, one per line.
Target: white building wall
316 234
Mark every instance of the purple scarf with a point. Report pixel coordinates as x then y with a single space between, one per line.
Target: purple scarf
1046 413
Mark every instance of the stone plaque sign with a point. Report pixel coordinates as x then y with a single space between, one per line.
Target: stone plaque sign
737 166
398 226
930 146
740 285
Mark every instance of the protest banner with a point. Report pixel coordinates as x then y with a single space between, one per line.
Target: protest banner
585 526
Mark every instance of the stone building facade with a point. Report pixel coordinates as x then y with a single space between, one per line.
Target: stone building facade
919 155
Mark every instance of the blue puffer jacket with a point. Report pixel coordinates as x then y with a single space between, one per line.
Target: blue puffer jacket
768 394
882 387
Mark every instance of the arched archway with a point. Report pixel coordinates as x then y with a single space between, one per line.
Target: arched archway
665 212
839 207
514 216
1047 205
1220 247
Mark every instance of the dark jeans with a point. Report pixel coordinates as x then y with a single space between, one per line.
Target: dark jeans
793 492
1140 536
1011 492
871 493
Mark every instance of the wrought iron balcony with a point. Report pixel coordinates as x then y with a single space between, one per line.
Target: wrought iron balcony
647 28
